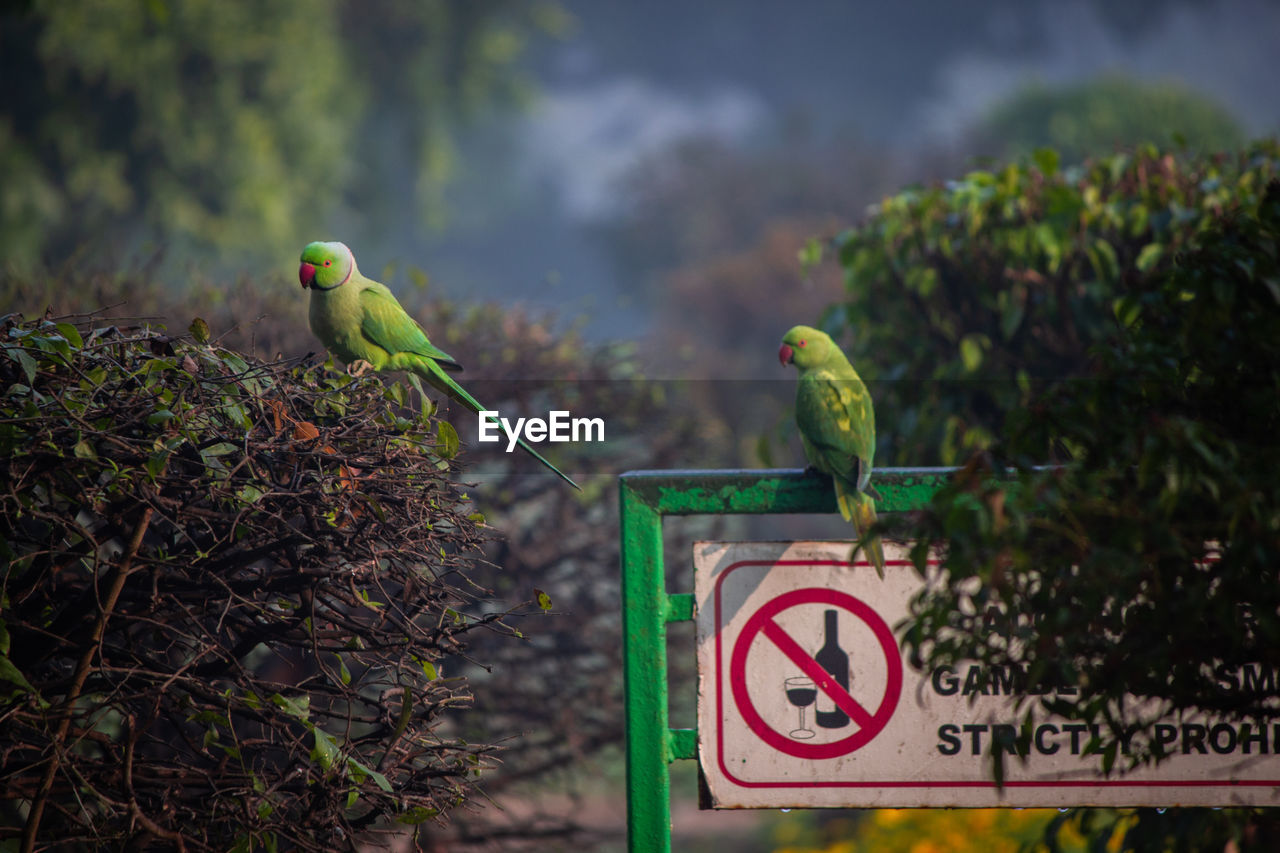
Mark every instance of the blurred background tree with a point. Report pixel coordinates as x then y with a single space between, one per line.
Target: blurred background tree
1104 115
239 127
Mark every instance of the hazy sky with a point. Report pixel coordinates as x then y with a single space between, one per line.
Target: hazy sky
638 76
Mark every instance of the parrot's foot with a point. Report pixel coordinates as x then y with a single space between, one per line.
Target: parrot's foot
359 367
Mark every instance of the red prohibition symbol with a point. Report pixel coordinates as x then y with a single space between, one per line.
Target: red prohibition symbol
869 723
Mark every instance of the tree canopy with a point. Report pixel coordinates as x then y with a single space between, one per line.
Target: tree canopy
1116 322
1100 116
238 126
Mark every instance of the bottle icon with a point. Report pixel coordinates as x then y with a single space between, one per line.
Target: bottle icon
834 660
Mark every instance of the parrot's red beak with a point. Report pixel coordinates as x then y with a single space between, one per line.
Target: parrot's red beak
306 274
785 352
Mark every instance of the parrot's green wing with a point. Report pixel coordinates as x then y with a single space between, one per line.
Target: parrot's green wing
837 424
387 324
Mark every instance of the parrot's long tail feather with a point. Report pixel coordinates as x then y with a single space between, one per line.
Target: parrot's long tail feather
535 454
860 510
441 380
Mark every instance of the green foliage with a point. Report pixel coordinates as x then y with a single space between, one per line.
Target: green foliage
516 361
963 298
245 576
1100 116
236 126
1146 563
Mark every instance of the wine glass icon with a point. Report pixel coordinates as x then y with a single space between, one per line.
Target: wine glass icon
801 692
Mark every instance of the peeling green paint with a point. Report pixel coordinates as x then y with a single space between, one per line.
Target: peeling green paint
647 496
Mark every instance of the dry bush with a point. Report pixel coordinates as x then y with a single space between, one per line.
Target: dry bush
235 598
553 701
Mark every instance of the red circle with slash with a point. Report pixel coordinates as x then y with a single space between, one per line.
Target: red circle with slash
762 622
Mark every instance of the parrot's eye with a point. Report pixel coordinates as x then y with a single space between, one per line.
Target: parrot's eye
802 343
328 263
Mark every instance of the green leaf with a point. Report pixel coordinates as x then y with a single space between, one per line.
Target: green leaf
810 254
1048 240
71 333
923 280
1013 306
417 815
299 708
1127 310
250 493
417 385
343 672
222 448
199 330
157 461
378 778
29 365
84 450
1046 160
971 352
1149 256
326 749
1107 265
10 673
544 600
447 443
1109 757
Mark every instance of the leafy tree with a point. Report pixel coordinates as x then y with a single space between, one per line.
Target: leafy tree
1146 562
1099 116
237 126
962 298
1115 318
234 596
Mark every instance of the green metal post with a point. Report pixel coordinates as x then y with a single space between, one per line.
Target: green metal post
644 672
644 498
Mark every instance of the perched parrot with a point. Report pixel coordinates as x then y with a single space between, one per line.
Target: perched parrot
837 425
359 319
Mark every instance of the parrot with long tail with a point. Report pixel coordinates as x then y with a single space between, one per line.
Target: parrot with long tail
837 426
360 320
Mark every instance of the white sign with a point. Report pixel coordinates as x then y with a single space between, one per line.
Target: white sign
805 700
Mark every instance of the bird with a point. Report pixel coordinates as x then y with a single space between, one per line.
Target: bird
361 322
837 426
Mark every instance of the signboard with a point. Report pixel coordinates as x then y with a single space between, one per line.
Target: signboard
805 700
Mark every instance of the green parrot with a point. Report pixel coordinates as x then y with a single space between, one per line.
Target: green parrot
359 319
837 425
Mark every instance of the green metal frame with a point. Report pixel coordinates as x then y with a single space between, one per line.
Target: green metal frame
645 498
